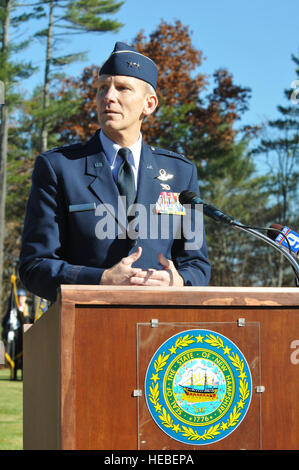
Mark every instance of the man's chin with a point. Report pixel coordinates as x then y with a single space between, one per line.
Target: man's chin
112 124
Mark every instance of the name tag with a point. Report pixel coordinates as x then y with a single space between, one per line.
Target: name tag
82 207
168 203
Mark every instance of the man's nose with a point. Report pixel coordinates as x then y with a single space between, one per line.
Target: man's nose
110 94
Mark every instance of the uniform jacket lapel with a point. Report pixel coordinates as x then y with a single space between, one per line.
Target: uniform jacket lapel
102 185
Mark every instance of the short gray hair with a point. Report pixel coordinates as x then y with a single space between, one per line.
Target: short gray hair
148 87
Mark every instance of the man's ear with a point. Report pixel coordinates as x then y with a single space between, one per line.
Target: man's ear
151 103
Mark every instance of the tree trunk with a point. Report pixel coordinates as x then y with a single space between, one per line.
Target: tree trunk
46 91
3 144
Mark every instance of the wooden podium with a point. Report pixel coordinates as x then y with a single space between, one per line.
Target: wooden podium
86 358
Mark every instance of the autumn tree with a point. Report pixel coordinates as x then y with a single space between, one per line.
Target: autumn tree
83 122
190 119
187 116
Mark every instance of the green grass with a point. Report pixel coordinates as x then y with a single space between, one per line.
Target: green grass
11 411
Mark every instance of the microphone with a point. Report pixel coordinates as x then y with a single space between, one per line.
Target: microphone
189 197
287 238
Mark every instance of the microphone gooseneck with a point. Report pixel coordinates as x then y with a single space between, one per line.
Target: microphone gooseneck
189 197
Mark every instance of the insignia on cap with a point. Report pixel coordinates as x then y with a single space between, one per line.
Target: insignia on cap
133 64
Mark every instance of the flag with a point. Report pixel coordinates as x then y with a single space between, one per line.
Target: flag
12 334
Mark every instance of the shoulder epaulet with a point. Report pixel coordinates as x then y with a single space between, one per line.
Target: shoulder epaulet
168 153
64 148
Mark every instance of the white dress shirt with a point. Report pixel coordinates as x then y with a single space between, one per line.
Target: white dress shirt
114 160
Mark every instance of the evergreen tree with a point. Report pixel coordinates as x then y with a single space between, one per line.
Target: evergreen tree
279 148
238 258
65 18
11 72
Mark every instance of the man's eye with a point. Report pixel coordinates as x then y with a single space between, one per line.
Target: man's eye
123 88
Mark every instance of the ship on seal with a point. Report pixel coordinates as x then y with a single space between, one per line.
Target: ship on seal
200 393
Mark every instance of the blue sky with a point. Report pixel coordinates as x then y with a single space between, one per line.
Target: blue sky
254 40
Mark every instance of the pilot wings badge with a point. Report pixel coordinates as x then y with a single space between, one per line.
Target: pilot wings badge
164 176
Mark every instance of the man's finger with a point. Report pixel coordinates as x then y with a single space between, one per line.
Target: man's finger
133 256
151 277
146 273
166 263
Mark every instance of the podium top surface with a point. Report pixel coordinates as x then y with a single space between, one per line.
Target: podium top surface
218 296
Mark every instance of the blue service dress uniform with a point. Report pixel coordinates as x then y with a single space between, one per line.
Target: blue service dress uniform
73 225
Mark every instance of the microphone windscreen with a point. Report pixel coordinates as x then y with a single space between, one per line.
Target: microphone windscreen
186 197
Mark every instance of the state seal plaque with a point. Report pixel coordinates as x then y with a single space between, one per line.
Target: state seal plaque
198 387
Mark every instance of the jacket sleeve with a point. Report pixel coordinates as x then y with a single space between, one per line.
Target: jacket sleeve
189 252
42 268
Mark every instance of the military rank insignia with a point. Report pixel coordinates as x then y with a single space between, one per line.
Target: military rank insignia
198 387
168 203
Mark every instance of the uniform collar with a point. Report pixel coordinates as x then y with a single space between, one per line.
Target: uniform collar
111 149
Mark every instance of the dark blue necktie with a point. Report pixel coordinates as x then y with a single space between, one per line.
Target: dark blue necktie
125 178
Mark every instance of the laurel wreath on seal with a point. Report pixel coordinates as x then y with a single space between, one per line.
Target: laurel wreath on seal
188 432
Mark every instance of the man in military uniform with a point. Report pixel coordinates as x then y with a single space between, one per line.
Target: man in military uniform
78 230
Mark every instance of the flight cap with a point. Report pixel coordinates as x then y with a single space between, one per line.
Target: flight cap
124 60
